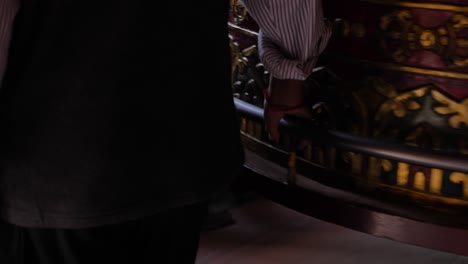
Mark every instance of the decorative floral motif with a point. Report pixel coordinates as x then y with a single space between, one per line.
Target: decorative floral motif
401 36
458 112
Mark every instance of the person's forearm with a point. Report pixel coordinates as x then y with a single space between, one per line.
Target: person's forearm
8 10
285 94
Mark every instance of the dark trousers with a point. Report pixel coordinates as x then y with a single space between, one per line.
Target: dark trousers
168 237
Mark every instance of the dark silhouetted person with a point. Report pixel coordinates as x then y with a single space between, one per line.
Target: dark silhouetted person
117 126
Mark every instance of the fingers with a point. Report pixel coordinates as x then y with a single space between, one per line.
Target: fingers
273 118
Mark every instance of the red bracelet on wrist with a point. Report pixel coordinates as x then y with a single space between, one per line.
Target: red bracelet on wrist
275 107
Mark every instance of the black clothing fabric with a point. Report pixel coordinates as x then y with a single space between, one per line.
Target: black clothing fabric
168 237
107 111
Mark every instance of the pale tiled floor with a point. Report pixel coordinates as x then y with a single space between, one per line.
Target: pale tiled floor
267 233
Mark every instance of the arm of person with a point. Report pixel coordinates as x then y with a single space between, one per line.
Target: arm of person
292 36
278 63
285 94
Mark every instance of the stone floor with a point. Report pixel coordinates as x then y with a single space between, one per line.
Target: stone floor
268 233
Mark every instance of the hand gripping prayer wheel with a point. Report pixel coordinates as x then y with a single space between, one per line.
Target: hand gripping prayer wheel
394 72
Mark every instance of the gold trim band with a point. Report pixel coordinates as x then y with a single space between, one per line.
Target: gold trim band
423 71
400 68
433 6
277 156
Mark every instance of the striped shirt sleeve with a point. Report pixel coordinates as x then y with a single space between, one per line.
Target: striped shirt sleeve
276 62
293 33
8 10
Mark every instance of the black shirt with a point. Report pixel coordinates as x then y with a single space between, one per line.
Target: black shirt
115 109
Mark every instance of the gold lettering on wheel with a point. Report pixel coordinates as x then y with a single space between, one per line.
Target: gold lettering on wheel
436 181
427 39
403 174
420 181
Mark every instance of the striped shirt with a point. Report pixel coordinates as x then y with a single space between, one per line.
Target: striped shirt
8 10
293 33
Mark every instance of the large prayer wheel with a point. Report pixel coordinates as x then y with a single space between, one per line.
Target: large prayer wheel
396 73
407 66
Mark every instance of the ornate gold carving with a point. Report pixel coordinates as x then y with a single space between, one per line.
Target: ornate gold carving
239 58
398 104
238 11
401 36
247 73
430 112
458 112
459 21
